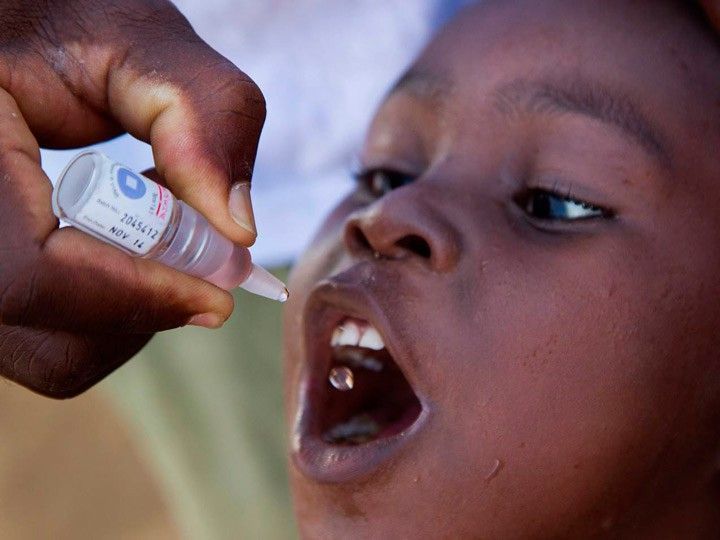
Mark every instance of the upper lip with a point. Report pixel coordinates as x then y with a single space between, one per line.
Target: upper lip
331 301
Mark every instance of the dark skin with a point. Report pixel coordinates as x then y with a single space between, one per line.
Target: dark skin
712 12
557 161
77 72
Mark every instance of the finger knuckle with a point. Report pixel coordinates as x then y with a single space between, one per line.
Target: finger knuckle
60 377
18 295
73 363
14 145
241 97
43 362
253 97
62 368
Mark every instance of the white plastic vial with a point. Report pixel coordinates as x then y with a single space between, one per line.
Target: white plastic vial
123 208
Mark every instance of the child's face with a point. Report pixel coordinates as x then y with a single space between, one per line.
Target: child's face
560 355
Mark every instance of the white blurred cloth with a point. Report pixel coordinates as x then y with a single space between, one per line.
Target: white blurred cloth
323 66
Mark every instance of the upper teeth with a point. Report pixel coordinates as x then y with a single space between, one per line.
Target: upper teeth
352 334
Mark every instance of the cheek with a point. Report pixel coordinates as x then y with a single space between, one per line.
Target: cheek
563 377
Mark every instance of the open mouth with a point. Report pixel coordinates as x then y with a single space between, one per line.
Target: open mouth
367 397
357 403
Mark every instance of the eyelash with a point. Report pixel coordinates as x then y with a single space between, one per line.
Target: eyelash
538 203
552 206
378 182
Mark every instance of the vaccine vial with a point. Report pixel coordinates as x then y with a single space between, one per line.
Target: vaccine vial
128 210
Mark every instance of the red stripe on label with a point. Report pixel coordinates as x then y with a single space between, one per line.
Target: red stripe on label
160 198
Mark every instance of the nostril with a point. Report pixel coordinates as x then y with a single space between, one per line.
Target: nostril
403 226
358 240
415 244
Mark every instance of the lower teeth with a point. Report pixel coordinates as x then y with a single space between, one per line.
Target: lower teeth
359 429
359 359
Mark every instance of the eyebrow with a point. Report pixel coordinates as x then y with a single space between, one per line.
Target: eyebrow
424 85
587 98
574 95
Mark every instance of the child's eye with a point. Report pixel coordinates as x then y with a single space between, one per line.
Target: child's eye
546 205
378 182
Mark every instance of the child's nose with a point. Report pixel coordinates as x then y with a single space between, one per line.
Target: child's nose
403 224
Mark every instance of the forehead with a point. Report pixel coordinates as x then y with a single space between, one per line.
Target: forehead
647 66
613 35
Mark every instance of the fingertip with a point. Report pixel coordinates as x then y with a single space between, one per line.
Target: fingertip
206 187
245 238
230 213
197 296
228 210
241 211
211 321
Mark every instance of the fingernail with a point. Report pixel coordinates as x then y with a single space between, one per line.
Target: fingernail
241 206
206 320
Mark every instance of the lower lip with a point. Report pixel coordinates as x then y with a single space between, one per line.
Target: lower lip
328 463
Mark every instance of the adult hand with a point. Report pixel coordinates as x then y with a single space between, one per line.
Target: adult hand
75 72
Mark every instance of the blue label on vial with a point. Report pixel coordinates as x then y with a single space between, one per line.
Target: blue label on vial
130 183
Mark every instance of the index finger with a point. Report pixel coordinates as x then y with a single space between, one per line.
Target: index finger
139 66
203 120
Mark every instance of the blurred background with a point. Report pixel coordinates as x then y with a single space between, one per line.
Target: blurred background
188 439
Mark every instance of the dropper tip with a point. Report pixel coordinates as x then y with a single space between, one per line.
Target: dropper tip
262 282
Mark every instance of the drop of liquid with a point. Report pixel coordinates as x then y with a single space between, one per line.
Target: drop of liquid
341 378
284 296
